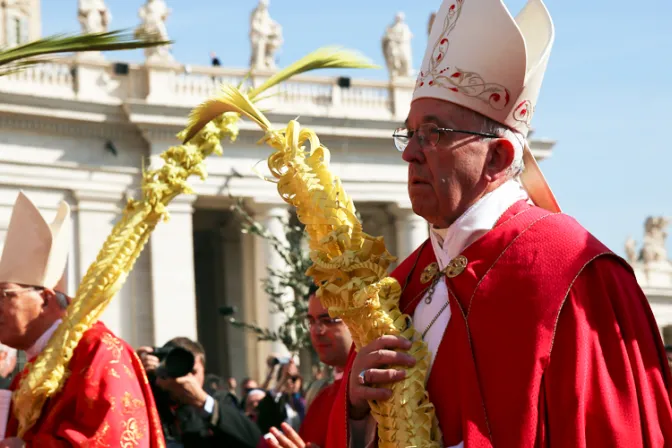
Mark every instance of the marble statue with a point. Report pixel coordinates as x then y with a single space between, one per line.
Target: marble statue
397 48
153 16
653 246
265 38
631 250
93 16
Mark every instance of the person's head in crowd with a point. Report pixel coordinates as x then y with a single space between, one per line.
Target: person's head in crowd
296 384
213 383
248 384
232 385
251 404
196 349
33 273
330 337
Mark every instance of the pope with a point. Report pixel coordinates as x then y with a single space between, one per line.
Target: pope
538 334
106 400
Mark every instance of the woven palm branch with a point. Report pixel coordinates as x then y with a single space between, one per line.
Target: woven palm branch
349 266
109 271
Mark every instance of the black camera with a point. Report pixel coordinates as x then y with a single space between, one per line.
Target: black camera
175 362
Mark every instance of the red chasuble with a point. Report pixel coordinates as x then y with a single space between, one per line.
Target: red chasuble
105 402
551 343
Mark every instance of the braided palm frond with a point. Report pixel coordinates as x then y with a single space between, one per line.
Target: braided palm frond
107 274
349 265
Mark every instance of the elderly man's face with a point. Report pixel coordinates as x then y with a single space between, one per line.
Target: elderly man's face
20 308
445 180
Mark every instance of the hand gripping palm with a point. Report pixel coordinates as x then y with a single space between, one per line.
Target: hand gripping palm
349 265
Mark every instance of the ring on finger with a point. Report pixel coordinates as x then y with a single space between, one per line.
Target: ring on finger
362 377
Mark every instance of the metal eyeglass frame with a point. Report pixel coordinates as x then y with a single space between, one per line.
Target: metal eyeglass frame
401 141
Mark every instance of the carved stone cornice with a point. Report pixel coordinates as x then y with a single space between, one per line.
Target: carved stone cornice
53 126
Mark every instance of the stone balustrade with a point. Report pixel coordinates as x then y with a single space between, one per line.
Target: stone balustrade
182 85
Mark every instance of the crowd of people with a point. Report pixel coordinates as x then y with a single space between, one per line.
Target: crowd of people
199 410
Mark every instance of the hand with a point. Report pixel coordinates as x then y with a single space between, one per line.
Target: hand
14 442
372 360
185 390
286 372
290 439
149 362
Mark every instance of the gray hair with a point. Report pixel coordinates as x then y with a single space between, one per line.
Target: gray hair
490 126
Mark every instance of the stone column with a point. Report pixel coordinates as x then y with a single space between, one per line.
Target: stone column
412 231
95 215
266 258
171 252
171 255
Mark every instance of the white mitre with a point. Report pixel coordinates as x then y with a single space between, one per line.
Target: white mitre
35 252
481 58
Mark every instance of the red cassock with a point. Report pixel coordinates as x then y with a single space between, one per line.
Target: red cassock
551 343
105 402
314 426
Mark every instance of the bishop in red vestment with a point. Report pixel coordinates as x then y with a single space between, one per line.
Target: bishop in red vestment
539 335
106 400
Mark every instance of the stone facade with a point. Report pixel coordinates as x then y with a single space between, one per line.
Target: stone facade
81 129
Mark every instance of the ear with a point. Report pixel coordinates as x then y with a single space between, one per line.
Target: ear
49 297
500 156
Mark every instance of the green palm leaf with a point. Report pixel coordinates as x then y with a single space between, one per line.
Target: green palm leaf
16 58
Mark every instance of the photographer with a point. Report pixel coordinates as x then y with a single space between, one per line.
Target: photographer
283 402
189 416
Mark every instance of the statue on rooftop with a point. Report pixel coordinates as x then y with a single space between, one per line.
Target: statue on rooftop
93 16
153 16
265 38
397 48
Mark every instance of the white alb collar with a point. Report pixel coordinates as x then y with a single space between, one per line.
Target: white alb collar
479 219
42 341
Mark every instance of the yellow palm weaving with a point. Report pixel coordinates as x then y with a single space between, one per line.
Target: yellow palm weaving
115 260
349 265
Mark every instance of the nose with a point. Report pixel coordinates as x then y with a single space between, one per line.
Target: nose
413 152
319 328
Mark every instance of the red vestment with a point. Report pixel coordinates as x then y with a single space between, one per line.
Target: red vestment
551 343
315 423
105 402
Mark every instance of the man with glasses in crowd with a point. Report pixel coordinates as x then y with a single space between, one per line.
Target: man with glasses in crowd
332 341
106 399
538 334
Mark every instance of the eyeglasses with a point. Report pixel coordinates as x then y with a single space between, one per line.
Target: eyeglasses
8 293
428 135
324 322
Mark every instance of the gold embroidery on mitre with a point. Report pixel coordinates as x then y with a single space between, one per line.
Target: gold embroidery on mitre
114 373
456 266
429 273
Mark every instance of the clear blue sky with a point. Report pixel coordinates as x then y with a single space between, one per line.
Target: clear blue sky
607 95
